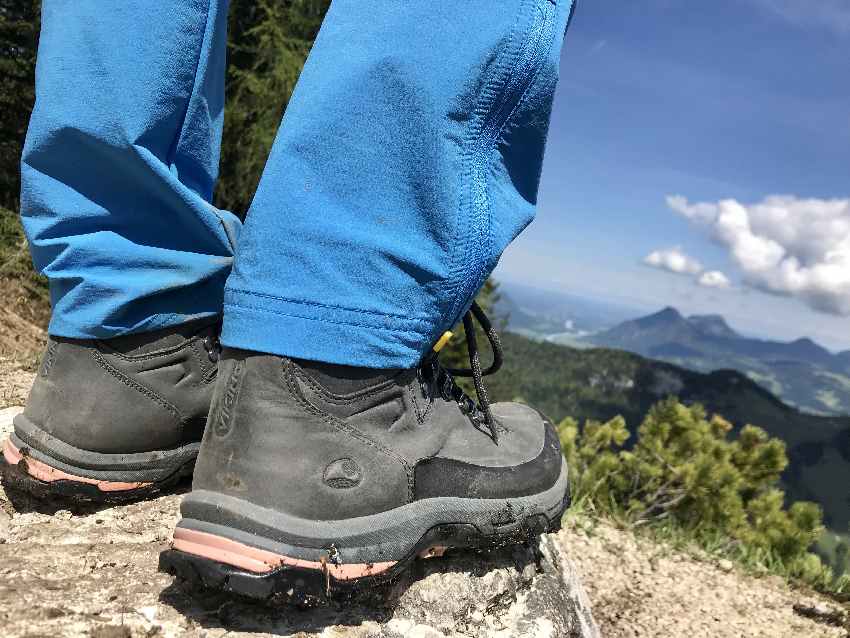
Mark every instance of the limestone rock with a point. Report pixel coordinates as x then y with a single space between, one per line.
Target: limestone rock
514 591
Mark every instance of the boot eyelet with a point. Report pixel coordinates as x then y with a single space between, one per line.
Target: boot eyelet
213 348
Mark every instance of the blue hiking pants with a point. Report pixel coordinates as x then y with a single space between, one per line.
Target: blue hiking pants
408 158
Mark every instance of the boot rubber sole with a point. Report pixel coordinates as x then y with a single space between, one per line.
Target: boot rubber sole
307 561
24 473
38 464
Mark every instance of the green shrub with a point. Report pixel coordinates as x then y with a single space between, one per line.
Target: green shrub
687 471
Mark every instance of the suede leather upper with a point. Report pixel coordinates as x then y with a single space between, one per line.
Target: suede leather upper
140 393
281 440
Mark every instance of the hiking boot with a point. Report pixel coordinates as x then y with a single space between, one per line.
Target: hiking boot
116 419
317 478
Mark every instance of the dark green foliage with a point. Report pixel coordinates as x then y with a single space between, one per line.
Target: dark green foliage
19 23
267 44
841 563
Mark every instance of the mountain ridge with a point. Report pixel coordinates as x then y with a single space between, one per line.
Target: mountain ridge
713 324
801 372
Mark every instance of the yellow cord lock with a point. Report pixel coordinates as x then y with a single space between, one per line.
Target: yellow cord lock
447 336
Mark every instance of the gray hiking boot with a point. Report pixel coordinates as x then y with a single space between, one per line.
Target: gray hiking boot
315 478
117 419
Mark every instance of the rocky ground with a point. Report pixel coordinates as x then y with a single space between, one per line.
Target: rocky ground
93 573
639 588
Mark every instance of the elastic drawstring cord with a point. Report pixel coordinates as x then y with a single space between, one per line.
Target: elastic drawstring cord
449 388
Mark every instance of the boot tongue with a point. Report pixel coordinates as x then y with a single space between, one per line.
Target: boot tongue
339 379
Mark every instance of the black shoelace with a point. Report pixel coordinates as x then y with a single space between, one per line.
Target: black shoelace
479 413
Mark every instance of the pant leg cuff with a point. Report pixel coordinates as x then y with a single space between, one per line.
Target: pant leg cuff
316 332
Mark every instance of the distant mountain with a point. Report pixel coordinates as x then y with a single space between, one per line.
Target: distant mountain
801 372
660 329
714 325
601 383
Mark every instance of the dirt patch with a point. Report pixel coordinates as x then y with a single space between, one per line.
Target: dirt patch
639 588
21 336
15 381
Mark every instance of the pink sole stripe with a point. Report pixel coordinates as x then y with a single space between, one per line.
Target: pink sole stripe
48 474
261 561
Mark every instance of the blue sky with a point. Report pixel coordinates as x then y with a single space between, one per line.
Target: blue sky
729 103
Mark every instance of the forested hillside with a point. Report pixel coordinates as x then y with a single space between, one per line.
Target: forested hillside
601 384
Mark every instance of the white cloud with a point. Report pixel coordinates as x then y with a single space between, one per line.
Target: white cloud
714 279
784 244
674 260
829 14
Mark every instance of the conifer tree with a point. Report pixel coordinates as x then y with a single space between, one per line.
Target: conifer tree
268 42
19 25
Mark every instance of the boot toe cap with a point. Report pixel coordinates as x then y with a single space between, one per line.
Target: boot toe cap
527 459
